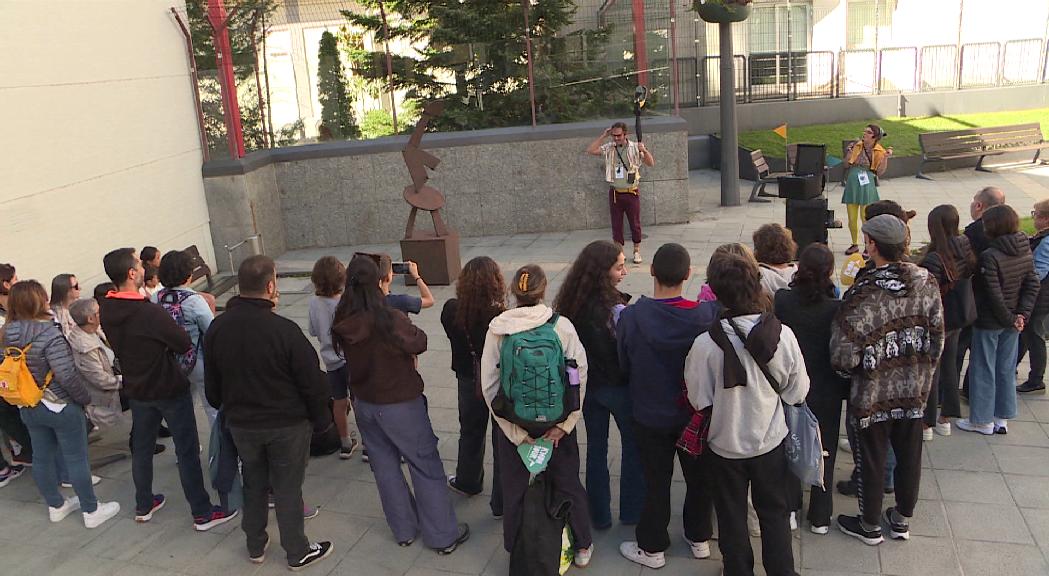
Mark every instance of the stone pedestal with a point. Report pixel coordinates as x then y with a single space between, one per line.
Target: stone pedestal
437 257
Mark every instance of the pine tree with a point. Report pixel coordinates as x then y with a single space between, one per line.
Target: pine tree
336 113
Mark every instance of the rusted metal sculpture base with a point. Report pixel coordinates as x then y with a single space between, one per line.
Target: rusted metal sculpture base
437 257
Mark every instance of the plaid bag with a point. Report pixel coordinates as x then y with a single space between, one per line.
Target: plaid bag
693 438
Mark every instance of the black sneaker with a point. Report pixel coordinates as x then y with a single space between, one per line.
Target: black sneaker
261 557
897 530
464 535
364 455
1030 387
346 452
847 488
163 432
852 526
318 551
455 488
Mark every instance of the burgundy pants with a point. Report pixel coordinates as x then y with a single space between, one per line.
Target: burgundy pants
629 204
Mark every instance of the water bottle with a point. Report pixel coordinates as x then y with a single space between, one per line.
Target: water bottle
572 372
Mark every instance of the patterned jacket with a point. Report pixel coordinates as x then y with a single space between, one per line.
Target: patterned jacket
888 336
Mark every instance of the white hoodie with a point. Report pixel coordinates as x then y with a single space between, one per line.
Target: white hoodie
519 320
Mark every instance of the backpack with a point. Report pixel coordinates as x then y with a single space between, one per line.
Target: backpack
17 385
171 301
534 390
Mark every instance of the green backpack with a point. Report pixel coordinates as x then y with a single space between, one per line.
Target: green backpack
534 390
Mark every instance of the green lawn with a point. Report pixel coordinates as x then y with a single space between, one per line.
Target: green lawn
903 132
1027 225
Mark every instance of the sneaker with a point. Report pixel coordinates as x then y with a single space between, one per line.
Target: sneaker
105 511
13 471
844 446
309 512
94 482
346 452
406 543
637 257
847 487
852 526
897 530
261 557
21 461
67 508
317 552
852 249
964 424
700 550
163 432
464 535
217 517
793 521
364 455
583 556
1029 386
1001 426
943 428
821 530
631 551
455 488
927 435
158 503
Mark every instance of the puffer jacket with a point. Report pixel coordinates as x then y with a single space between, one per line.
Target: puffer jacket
961 254
1041 304
50 353
1006 285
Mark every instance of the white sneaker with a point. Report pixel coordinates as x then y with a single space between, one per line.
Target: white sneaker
943 428
927 435
964 424
582 556
821 530
1001 426
105 511
632 552
843 445
94 482
637 257
67 508
793 521
700 550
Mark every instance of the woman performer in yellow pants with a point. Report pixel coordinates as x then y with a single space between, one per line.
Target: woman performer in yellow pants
865 162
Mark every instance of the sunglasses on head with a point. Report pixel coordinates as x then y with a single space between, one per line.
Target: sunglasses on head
375 257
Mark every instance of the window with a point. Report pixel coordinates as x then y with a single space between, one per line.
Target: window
778 37
868 24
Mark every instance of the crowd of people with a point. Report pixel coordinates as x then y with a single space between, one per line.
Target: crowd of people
704 383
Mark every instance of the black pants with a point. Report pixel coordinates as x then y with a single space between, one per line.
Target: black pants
473 433
827 409
562 471
764 475
657 449
11 424
274 458
905 436
1032 340
945 382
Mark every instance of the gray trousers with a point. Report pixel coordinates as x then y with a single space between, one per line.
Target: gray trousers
276 458
403 429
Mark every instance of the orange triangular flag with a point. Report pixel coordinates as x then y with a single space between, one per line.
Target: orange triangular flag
781 130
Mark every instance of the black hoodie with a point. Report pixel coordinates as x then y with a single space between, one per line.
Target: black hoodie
1007 285
654 337
145 339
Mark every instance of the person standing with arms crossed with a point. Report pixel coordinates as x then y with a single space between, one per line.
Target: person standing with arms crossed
623 159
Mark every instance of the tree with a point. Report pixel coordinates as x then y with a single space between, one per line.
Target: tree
473 54
336 114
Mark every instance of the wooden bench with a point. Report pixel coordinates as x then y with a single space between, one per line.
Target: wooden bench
200 267
765 176
980 142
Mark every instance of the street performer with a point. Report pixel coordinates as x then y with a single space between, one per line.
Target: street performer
623 159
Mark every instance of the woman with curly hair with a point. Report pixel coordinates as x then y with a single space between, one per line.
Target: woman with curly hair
774 249
480 296
589 298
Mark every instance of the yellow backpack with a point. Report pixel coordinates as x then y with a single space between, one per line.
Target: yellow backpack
17 385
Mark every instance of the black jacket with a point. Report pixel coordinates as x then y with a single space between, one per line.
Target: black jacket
977 236
260 369
598 337
811 323
462 359
965 262
1007 285
1041 305
145 340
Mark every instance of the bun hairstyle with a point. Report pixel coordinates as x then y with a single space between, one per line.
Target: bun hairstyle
529 285
878 132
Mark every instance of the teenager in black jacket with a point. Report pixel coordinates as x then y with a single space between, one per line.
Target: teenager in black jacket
589 298
1005 292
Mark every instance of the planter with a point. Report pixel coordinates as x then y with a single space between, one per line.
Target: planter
721 11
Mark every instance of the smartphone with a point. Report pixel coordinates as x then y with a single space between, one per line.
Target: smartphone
401 268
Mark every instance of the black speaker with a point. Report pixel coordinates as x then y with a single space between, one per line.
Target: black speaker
807 221
800 187
810 160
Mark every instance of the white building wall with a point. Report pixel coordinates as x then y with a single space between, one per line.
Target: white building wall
100 147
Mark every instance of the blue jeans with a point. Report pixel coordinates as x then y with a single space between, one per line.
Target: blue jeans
178 413
992 370
62 435
601 403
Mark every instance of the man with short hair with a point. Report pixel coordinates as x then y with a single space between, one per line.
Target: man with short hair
984 199
146 340
623 159
1035 332
887 336
264 375
654 335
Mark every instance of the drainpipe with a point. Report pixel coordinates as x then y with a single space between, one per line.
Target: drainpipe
196 86
219 20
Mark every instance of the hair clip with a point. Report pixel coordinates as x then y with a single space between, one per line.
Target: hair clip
522 284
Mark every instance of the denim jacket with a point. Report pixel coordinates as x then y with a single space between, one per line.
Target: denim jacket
196 314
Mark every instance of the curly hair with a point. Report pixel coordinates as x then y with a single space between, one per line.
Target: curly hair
328 276
774 244
587 282
481 292
813 278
